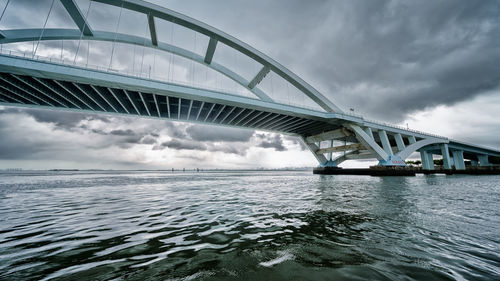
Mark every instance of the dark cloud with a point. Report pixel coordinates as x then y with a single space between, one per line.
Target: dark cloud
151 139
181 145
297 141
212 133
229 149
385 59
127 132
275 141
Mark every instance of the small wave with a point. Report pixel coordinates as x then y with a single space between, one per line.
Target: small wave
284 256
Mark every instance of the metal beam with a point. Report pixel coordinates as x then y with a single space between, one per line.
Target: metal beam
256 80
291 119
118 99
189 110
168 107
89 96
157 106
306 122
354 146
152 30
369 132
259 120
103 97
313 148
57 93
236 116
266 120
244 117
270 123
12 96
253 118
212 44
209 111
369 143
382 134
132 102
331 135
291 123
220 111
179 108
144 102
227 115
34 88
77 16
60 84
16 94
399 142
199 111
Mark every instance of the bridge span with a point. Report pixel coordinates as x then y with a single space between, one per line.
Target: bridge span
37 78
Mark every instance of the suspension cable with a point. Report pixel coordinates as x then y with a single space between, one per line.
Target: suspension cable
81 34
4 9
154 60
171 54
43 29
116 35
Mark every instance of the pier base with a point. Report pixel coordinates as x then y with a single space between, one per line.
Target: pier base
405 171
372 171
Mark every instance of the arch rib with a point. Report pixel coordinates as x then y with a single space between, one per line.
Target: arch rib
417 145
24 35
214 34
77 16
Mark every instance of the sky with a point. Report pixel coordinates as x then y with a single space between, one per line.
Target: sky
428 65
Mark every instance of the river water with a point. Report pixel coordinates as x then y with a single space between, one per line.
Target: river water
247 226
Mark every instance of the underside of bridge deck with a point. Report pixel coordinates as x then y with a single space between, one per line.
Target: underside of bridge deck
71 95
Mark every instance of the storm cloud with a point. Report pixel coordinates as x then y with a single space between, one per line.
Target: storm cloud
398 61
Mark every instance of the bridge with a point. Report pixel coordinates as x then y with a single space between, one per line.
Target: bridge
41 78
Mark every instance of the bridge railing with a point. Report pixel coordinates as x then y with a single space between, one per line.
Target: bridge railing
139 74
391 125
149 76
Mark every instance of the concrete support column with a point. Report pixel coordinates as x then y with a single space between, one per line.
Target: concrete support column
427 161
399 142
483 160
330 154
458 157
446 156
412 140
385 142
369 132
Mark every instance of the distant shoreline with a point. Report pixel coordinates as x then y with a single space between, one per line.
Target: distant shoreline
159 170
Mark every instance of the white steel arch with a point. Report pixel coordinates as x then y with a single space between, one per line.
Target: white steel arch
152 11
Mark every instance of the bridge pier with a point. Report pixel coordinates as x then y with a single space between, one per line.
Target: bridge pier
483 160
427 161
446 156
458 159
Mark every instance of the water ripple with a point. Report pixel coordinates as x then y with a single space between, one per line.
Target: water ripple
246 226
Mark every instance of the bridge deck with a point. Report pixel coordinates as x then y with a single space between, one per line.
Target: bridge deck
35 83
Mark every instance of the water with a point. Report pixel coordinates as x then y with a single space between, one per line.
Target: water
247 226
